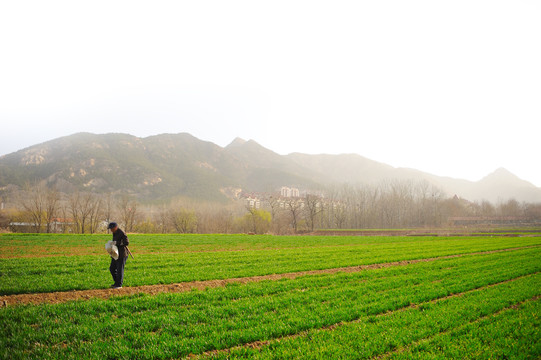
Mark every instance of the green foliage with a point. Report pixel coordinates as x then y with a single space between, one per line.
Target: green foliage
256 222
146 227
184 221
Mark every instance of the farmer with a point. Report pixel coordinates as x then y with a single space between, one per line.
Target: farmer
117 266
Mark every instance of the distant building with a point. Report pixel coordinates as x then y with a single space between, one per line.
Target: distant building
58 225
253 202
289 192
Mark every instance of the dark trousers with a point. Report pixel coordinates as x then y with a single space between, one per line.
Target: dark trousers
117 270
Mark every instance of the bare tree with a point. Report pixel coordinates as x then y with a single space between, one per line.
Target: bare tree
34 204
340 215
533 212
391 203
52 198
65 213
95 214
312 208
274 205
213 220
162 219
73 204
86 212
294 207
86 205
225 221
128 213
510 208
108 208
42 205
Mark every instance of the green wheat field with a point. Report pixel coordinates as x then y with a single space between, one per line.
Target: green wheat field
294 297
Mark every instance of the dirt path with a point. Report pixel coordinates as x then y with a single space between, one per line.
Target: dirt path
59 297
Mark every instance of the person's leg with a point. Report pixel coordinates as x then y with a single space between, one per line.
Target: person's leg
113 269
120 271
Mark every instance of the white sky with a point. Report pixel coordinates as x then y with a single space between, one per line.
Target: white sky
448 87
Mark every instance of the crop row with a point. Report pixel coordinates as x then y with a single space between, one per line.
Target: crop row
455 328
175 325
39 245
28 275
20 245
511 334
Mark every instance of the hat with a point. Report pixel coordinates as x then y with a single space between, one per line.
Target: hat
112 225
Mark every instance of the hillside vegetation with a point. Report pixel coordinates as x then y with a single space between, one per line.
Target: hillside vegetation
180 165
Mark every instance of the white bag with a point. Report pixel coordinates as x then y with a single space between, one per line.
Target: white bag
112 249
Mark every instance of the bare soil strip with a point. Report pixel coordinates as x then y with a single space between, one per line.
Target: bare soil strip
426 232
260 344
59 297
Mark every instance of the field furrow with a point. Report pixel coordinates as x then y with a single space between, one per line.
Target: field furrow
67 273
428 345
177 325
512 333
259 345
58 297
403 331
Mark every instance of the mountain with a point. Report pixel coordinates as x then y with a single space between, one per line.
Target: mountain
164 166
495 183
154 167
348 168
266 170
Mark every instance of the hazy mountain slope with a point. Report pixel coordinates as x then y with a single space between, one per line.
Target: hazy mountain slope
156 167
265 170
348 168
108 158
169 165
502 184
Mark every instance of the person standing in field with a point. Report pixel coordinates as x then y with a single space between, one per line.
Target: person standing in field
117 266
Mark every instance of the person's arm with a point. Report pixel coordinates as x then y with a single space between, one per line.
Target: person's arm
122 240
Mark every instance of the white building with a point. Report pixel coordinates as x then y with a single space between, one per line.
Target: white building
253 202
289 192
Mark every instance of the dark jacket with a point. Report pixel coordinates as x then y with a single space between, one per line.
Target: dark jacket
121 241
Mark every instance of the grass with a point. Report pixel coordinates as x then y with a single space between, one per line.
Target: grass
200 321
32 245
160 263
513 333
473 306
444 330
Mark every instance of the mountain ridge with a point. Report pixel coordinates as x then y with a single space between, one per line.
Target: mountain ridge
165 166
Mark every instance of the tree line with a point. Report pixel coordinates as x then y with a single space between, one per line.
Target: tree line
393 204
